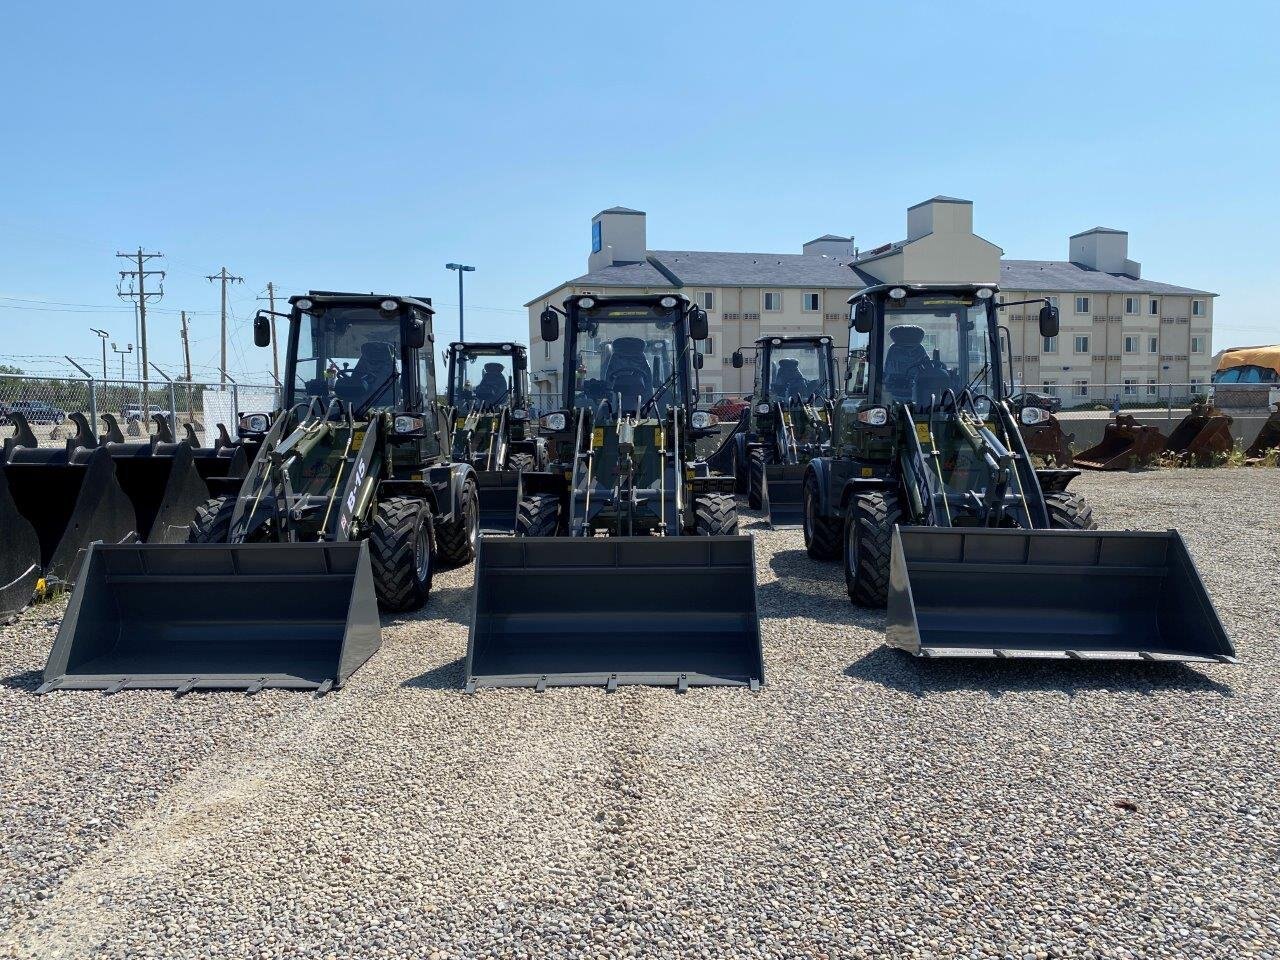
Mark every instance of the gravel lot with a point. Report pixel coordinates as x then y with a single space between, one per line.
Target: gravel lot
862 804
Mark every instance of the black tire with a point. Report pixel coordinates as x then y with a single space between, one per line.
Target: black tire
521 463
1069 511
755 478
715 515
868 545
821 534
456 538
739 470
213 521
401 546
538 515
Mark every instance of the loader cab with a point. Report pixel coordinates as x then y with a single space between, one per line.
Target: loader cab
370 352
630 355
488 376
795 367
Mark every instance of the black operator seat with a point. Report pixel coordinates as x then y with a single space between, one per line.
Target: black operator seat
905 360
628 373
788 381
371 373
493 384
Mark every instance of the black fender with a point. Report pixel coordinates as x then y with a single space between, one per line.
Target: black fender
448 480
820 468
544 481
410 488
523 446
861 484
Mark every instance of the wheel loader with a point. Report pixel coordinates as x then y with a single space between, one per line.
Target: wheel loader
790 422
348 505
932 501
492 429
627 565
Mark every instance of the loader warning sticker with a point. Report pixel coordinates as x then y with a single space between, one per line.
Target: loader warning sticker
597 438
922 431
357 440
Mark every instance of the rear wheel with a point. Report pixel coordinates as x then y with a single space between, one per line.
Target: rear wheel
538 515
739 470
821 534
521 463
755 479
1069 511
401 548
213 521
868 545
456 538
715 515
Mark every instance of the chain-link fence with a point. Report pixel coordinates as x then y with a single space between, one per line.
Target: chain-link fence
48 402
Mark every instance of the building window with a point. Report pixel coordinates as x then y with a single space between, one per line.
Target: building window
812 302
772 300
1050 344
1053 301
1151 388
1131 305
1080 388
1082 344
1050 387
1153 344
708 346
1195 383
1153 307
1130 388
1197 344
1197 308
1082 304
1130 344
707 299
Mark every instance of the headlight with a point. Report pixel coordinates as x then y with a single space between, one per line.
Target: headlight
668 302
1033 415
586 303
776 341
519 414
458 347
702 420
874 417
255 423
984 293
390 306
897 293
762 408
506 348
404 424
554 421
303 303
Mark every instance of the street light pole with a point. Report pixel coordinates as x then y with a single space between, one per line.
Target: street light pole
102 335
123 353
461 268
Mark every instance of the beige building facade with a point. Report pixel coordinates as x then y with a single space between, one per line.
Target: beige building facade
1137 335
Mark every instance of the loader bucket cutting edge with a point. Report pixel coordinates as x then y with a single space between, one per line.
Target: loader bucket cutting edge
237 616
1077 594
563 611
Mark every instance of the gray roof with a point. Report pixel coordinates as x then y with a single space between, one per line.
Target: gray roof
1085 233
830 236
622 210
696 268
940 199
1049 276
642 274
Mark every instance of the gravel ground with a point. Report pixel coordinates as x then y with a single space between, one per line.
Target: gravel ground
862 804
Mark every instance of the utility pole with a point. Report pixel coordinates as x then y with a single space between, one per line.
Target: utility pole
461 268
186 362
224 278
140 297
102 335
275 350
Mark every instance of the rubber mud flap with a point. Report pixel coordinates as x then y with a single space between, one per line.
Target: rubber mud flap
564 611
1078 594
200 616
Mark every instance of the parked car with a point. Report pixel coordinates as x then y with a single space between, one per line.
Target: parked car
133 412
36 411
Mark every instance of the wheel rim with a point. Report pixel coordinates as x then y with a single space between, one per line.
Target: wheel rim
808 518
422 554
473 520
851 551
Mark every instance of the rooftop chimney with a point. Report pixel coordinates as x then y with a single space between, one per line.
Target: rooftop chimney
837 248
1105 250
617 236
939 215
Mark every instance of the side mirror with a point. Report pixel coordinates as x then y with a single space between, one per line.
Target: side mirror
520 361
698 329
415 332
261 331
864 316
737 359
1048 321
550 325
697 361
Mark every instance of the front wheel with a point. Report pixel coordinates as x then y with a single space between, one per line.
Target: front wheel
1069 511
401 551
715 515
821 533
521 463
868 545
755 479
213 521
456 538
538 515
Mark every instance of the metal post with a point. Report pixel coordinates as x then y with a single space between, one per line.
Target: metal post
235 402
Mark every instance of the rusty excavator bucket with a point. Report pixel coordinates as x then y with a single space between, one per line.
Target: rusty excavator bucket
1047 439
69 494
564 611
1268 437
1125 443
1203 434
1050 594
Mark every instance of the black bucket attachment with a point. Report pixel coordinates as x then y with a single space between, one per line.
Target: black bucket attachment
209 616
19 556
567 611
498 492
223 466
1268 437
784 494
1078 594
161 482
72 498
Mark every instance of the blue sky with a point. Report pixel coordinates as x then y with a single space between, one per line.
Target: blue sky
361 146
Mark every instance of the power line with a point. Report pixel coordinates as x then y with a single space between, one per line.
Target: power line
224 278
140 298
